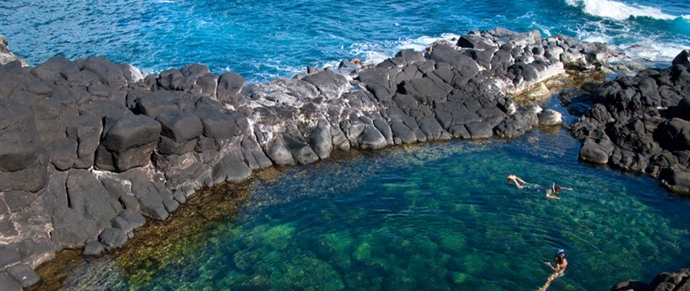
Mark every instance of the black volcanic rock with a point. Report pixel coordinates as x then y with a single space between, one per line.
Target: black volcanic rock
55 69
71 228
475 42
89 198
8 283
180 126
677 280
23 274
229 86
86 130
8 255
644 118
330 84
93 248
683 59
464 64
127 142
108 73
113 237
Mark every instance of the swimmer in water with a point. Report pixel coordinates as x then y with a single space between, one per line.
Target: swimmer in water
551 192
555 191
515 179
558 269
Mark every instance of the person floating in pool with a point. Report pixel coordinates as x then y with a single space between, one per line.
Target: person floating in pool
553 192
515 179
558 269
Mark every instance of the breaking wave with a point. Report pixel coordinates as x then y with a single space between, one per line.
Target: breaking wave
619 11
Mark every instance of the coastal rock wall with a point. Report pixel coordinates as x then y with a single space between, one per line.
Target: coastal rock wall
89 149
677 280
639 123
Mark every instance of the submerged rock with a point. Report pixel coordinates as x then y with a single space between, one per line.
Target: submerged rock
93 248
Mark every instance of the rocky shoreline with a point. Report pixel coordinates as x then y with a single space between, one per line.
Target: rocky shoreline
640 123
90 149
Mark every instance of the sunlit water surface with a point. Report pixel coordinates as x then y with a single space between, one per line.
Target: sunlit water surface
429 217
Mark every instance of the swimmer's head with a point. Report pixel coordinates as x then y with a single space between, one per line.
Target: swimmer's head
557 189
560 254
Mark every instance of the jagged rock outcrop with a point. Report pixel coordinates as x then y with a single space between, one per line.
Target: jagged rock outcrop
6 56
677 280
639 123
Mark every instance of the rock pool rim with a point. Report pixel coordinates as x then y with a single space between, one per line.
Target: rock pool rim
218 204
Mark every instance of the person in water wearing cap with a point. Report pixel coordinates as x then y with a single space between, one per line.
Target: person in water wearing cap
555 191
558 269
551 192
561 262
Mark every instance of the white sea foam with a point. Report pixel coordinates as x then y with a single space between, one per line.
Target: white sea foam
617 10
369 53
647 49
421 43
372 53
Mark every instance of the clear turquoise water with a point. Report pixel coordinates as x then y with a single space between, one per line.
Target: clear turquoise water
264 39
432 217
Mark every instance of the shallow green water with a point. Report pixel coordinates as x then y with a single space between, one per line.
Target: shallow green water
432 217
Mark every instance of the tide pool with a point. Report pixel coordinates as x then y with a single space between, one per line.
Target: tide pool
426 217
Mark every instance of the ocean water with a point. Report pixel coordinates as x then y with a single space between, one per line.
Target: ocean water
264 39
424 217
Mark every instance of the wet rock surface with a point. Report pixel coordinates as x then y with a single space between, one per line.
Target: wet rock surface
90 148
677 280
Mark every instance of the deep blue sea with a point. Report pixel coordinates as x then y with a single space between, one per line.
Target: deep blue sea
264 39
426 217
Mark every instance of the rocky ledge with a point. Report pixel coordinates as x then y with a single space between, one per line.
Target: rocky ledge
638 123
90 149
662 282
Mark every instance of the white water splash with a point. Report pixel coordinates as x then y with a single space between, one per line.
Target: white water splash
636 47
617 10
421 43
372 53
